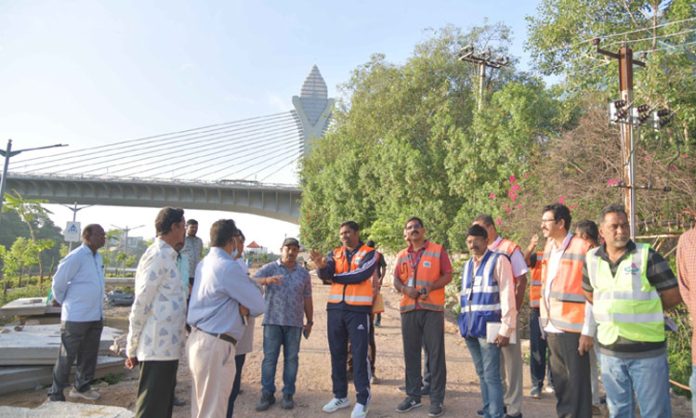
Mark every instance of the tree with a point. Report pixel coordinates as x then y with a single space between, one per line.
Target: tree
35 217
560 38
407 141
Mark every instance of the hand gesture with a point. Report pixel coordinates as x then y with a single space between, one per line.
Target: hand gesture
533 241
318 259
243 310
271 280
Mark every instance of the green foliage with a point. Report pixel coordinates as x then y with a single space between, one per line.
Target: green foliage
679 348
410 143
658 31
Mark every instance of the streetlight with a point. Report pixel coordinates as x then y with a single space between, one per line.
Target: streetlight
8 153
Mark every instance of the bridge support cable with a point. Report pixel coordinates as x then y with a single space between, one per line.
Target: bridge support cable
284 161
99 156
212 163
202 151
90 151
243 158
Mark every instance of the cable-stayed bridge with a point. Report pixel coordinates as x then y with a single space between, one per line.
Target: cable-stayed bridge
247 166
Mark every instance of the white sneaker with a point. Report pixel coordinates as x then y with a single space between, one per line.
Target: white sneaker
548 389
359 411
89 394
335 404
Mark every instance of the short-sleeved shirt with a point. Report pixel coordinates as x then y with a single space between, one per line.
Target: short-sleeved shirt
686 267
285 300
659 275
193 250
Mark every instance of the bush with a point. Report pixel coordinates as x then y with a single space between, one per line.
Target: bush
679 349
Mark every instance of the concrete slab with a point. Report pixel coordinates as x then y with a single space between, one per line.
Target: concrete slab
13 379
39 344
28 307
66 409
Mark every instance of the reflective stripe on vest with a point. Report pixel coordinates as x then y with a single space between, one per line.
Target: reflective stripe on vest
480 296
535 281
625 305
565 307
427 272
356 294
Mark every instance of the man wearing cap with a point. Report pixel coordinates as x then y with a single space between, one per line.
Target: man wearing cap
287 301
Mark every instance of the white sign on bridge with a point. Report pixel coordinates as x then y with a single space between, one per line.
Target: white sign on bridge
72 232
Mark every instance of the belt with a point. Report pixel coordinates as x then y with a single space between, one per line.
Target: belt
223 337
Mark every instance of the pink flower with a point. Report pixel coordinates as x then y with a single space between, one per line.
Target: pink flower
499 221
613 182
515 187
561 200
519 206
508 209
512 195
491 196
513 179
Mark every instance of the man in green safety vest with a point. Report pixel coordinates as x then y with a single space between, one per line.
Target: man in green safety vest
630 285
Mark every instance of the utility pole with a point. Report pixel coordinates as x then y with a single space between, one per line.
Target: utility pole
125 230
8 153
482 61
626 61
74 210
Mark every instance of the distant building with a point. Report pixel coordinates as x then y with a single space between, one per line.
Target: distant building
254 248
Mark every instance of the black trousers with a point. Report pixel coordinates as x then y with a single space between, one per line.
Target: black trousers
79 341
371 352
571 376
156 389
424 329
236 386
344 326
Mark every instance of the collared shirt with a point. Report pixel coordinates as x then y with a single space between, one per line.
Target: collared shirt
589 327
219 288
445 263
156 330
519 266
285 300
659 275
502 273
183 266
193 250
686 267
78 286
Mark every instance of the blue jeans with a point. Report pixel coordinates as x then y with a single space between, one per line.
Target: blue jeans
692 384
647 377
273 337
486 358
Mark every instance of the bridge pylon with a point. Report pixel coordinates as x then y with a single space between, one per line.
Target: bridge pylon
313 108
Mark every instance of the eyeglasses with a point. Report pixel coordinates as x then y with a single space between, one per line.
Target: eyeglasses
547 220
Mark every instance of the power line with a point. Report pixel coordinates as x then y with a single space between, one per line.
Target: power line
630 41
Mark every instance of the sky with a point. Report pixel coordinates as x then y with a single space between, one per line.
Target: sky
89 72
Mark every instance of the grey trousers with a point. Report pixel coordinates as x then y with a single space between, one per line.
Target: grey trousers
511 373
426 329
79 341
571 376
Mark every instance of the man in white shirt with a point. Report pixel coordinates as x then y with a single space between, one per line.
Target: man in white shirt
156 332
78 286
566 322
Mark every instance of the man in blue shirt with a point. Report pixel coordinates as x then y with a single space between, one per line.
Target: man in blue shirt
222 295
283 324
78 286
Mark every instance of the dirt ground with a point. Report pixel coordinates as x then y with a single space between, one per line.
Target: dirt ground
314 381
